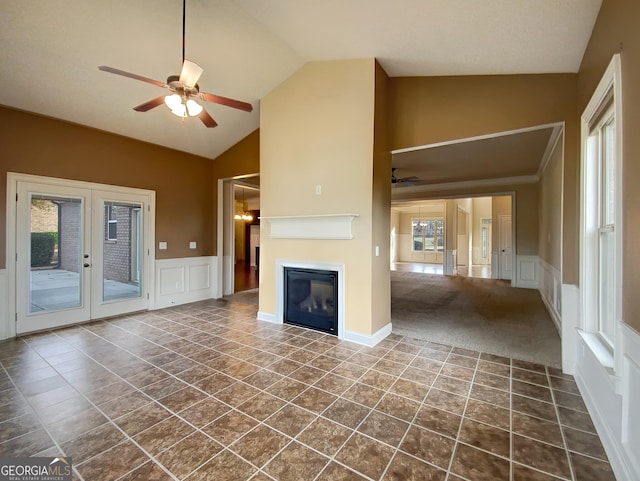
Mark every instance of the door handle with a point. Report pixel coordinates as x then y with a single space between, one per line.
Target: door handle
86 264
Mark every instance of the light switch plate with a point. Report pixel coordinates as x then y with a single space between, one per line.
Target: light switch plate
162 246
192 245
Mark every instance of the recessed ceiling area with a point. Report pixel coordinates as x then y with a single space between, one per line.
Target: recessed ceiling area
504 155
51 52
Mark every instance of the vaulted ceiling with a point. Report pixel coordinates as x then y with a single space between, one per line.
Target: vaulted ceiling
51 50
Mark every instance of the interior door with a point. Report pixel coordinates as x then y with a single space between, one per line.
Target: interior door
53 248
81 254
506 251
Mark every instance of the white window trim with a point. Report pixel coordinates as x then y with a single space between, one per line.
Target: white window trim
613 361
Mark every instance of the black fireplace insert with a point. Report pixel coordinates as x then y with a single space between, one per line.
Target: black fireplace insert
311 298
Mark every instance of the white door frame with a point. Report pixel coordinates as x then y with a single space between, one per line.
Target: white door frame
225 223
11 248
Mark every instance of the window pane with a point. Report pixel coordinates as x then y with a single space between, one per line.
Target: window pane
56 253
122 260
417 230
607 286
440 235
609 173
429 235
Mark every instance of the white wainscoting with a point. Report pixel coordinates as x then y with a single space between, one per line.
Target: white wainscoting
550 287
526 274
188 279
570 322
4 305
612 400
449 265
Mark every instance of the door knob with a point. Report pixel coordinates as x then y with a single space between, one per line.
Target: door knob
86 264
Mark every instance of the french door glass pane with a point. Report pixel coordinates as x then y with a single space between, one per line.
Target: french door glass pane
121 251
55 239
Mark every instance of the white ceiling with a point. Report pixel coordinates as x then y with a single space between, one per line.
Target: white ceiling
51 50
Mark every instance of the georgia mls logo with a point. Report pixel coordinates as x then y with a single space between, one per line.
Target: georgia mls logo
35 469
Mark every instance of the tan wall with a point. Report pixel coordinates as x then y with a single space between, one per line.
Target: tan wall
427 110
381 205
317 129
616 30
32 144
241 159
550 221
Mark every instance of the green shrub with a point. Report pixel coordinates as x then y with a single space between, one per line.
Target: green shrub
42 247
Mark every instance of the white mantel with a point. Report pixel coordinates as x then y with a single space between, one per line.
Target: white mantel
323 226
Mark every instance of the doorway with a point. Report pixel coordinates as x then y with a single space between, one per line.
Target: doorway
236 237
246 236
83 251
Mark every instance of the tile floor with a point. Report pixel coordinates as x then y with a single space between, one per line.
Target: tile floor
206 392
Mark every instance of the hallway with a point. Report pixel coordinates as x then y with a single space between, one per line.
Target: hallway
245 276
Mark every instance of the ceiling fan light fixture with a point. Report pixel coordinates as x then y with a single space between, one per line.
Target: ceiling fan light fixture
180 111
193 108
173 101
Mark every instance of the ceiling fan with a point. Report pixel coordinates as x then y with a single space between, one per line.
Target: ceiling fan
184 90
407 181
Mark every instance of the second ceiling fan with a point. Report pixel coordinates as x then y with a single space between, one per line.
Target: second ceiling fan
184 88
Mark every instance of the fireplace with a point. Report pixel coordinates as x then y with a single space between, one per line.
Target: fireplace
311 298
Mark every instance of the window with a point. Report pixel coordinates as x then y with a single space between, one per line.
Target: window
601 201
112 222
604 134
428 234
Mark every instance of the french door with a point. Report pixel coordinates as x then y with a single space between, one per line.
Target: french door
81 253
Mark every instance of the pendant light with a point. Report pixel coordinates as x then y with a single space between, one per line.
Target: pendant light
245 216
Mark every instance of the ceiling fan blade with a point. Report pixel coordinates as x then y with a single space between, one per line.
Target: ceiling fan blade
236 104
150 104
190 74
207 119
134 76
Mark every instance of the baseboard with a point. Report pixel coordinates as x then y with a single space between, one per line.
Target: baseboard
184 280
4 305
267 317
365 339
